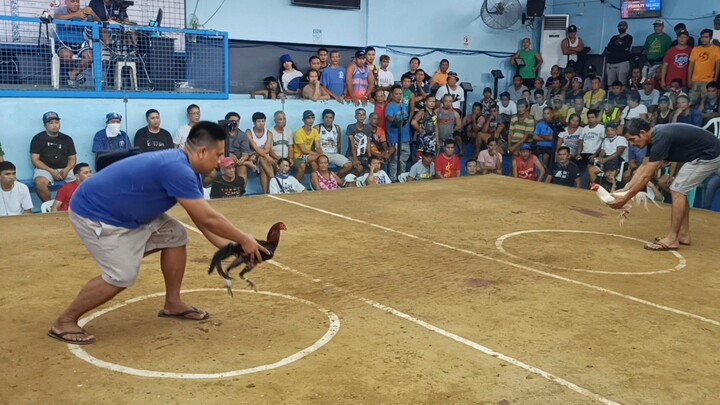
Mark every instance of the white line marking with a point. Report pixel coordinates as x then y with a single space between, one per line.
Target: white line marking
508 263
499 245
457 338
82 354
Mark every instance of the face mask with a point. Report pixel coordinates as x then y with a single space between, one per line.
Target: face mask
112 130
622 30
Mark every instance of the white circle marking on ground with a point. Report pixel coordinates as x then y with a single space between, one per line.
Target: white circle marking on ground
79 351
499 245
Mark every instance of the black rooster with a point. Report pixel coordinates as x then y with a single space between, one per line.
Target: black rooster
233 249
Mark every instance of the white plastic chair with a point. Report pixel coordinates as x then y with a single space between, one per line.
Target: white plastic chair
46 207
714 123
206 192
403 177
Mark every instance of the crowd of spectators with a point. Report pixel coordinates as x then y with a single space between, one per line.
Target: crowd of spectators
562 129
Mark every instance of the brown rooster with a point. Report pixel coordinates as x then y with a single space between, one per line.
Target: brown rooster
233 249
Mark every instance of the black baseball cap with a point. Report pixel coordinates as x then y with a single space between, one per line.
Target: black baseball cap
360 53
572 28
49 116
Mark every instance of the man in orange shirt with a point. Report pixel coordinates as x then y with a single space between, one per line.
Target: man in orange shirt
82 172
704 67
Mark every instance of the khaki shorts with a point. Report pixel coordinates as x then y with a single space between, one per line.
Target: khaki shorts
46 175
119 251
337 159
694 173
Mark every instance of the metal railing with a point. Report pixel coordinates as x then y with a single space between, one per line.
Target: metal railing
81 59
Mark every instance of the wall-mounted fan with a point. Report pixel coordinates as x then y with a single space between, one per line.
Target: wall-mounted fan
500 14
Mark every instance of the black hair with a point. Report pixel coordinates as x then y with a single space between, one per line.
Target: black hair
678 81
328 111
281 160
151 111
373 159
4 166
635 125
539 92
504 94
369 48
706 31
205 133
594 112
565 148
470 161
522 102
313 57
476 104
634 96
517 76
321 49
713 85
444 61
547 108
258 116
406 76
448 142
191 106
231 114
395 87
334 51
269 80
574 115
415 58
78 167
384 57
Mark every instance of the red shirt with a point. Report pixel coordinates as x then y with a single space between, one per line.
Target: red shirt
65 194
678 61
526 170
380 112
447 167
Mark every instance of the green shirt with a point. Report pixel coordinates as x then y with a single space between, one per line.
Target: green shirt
656 46
528 71
518 129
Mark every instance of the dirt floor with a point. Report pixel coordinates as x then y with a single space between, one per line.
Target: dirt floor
432 307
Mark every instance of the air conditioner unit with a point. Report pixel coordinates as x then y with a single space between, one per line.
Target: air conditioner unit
554 30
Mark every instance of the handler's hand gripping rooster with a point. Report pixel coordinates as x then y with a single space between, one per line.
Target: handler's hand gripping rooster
609 198
233 249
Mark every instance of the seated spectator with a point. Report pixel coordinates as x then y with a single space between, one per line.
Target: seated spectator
350 181
674 91
452 88
560 111
712 185
261 141
555 90
517 89
617 95
71 41
522 127
636 81
360 82
636 156
16 198
152 138
610 113
528 97
556 76
111 138
575 93
193 116
634 109
441 75
385 78
378 141
53 155
448 164
613 150
527 166
594 97
307 145
289 76
543 136
685 114
539 85
423 169
331 142
649 96
283 182
570 76
425 124
507 108
540 104
710 104
489 161
82 172
228 185
471 168
609 180
333 76
282 138
272 89
487 101
376 175
420 87
570 137
663 114
564 171
591 139
493 127
323 179
578 108
591 74
358 142
472 125
238 147
314 90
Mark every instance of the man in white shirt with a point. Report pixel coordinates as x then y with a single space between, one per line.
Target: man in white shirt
506 105
377 175
385 77
590 139
15 196
649 95
453 89
716 30
282 146
634 109
283 182
193 115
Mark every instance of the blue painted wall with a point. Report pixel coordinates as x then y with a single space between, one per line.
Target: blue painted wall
597 22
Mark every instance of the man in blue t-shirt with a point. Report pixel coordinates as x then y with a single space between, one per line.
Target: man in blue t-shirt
696 149
120 216
333 76
398 126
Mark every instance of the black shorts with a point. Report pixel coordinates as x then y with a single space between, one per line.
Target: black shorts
542 150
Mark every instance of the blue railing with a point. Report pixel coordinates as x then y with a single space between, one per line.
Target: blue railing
89 60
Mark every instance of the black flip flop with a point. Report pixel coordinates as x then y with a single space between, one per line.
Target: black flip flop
61 337
184 315
658 238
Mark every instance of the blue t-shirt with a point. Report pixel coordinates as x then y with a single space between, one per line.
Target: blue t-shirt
103 144
136 190
543 129
392 110
69 34
334 80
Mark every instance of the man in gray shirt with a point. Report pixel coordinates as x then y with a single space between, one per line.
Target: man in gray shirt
238 146
517 88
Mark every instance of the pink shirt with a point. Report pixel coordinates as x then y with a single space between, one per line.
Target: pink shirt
485 159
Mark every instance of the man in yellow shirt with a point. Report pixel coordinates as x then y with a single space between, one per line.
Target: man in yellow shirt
704 66
594 98
307 145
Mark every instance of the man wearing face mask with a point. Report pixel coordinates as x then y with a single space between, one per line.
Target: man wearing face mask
111 138
617 55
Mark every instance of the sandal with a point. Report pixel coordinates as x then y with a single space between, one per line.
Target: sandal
61 337
659 247
658 238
